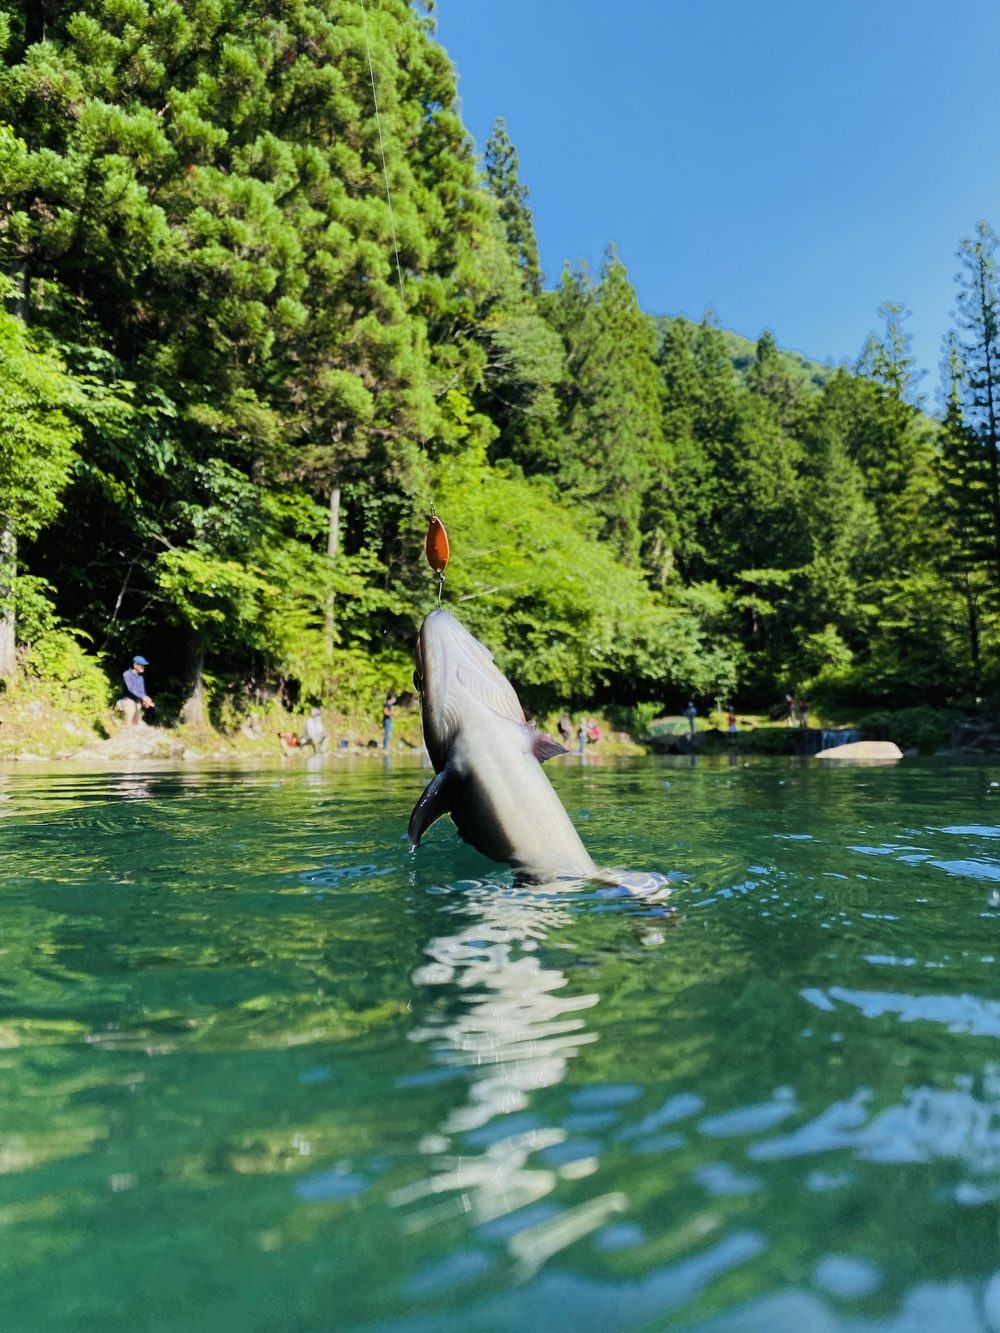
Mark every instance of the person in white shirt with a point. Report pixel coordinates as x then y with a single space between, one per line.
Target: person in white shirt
315 731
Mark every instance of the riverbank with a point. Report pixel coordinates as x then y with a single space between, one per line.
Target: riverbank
920 730
43 720
36 726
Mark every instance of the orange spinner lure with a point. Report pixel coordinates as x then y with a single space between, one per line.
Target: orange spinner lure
438 551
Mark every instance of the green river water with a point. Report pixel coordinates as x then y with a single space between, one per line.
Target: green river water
261 1071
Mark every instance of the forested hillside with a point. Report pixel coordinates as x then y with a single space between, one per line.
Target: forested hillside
233 382
743 353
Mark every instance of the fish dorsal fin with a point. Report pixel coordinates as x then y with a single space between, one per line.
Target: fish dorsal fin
493 690
546 748
435 801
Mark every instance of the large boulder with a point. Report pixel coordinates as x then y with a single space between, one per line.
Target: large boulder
880 752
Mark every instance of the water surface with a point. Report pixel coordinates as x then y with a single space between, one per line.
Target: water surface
263 1072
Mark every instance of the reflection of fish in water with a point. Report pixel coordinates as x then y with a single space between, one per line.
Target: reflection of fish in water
488 762
514 1035
516 1027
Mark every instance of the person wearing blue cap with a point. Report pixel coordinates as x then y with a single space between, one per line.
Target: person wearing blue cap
136 698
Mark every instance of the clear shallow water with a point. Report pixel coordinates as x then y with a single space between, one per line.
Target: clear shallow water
261 1072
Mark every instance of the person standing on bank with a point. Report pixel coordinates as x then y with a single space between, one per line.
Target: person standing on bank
691 714
315 732
387 711
136 698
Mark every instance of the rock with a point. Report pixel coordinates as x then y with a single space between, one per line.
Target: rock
885 752
978 735
139 742
190 754
33 758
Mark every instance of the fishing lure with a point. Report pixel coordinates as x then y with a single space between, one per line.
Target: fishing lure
438 551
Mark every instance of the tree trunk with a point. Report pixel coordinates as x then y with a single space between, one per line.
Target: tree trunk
970 598
18 272
8 573
39 14
332 542
193 711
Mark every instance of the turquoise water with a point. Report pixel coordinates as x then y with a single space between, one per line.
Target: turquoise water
263 1072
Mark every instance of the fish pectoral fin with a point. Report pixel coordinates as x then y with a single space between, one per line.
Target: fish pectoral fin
435 801
545 747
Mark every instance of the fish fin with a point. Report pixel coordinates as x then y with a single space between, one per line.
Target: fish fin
492 689
435 801
546 748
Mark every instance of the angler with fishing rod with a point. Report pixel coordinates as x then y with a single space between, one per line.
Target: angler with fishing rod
136 699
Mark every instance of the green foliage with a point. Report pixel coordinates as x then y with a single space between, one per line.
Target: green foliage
768 740
502 165
808 376
612 450
565 620
635 720
922 728
227 400
39 434
201 199
34 608
824 657
74 677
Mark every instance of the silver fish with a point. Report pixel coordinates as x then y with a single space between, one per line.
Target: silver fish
488 762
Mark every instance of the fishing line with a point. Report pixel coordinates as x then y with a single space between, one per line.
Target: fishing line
437 549
385 169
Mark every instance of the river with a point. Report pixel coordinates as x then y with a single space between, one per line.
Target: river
261 1071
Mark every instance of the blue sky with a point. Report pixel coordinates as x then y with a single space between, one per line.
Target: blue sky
792 163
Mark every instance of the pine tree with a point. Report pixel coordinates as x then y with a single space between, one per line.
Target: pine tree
888 436
736 468
614 450
967 545
771 379
698 397
978 317
888 360
216 223
502 166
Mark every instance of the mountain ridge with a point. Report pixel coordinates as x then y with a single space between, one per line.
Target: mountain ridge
813 375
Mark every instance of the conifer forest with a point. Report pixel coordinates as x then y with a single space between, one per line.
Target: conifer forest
233 382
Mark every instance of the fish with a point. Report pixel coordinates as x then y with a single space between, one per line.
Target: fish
488 759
